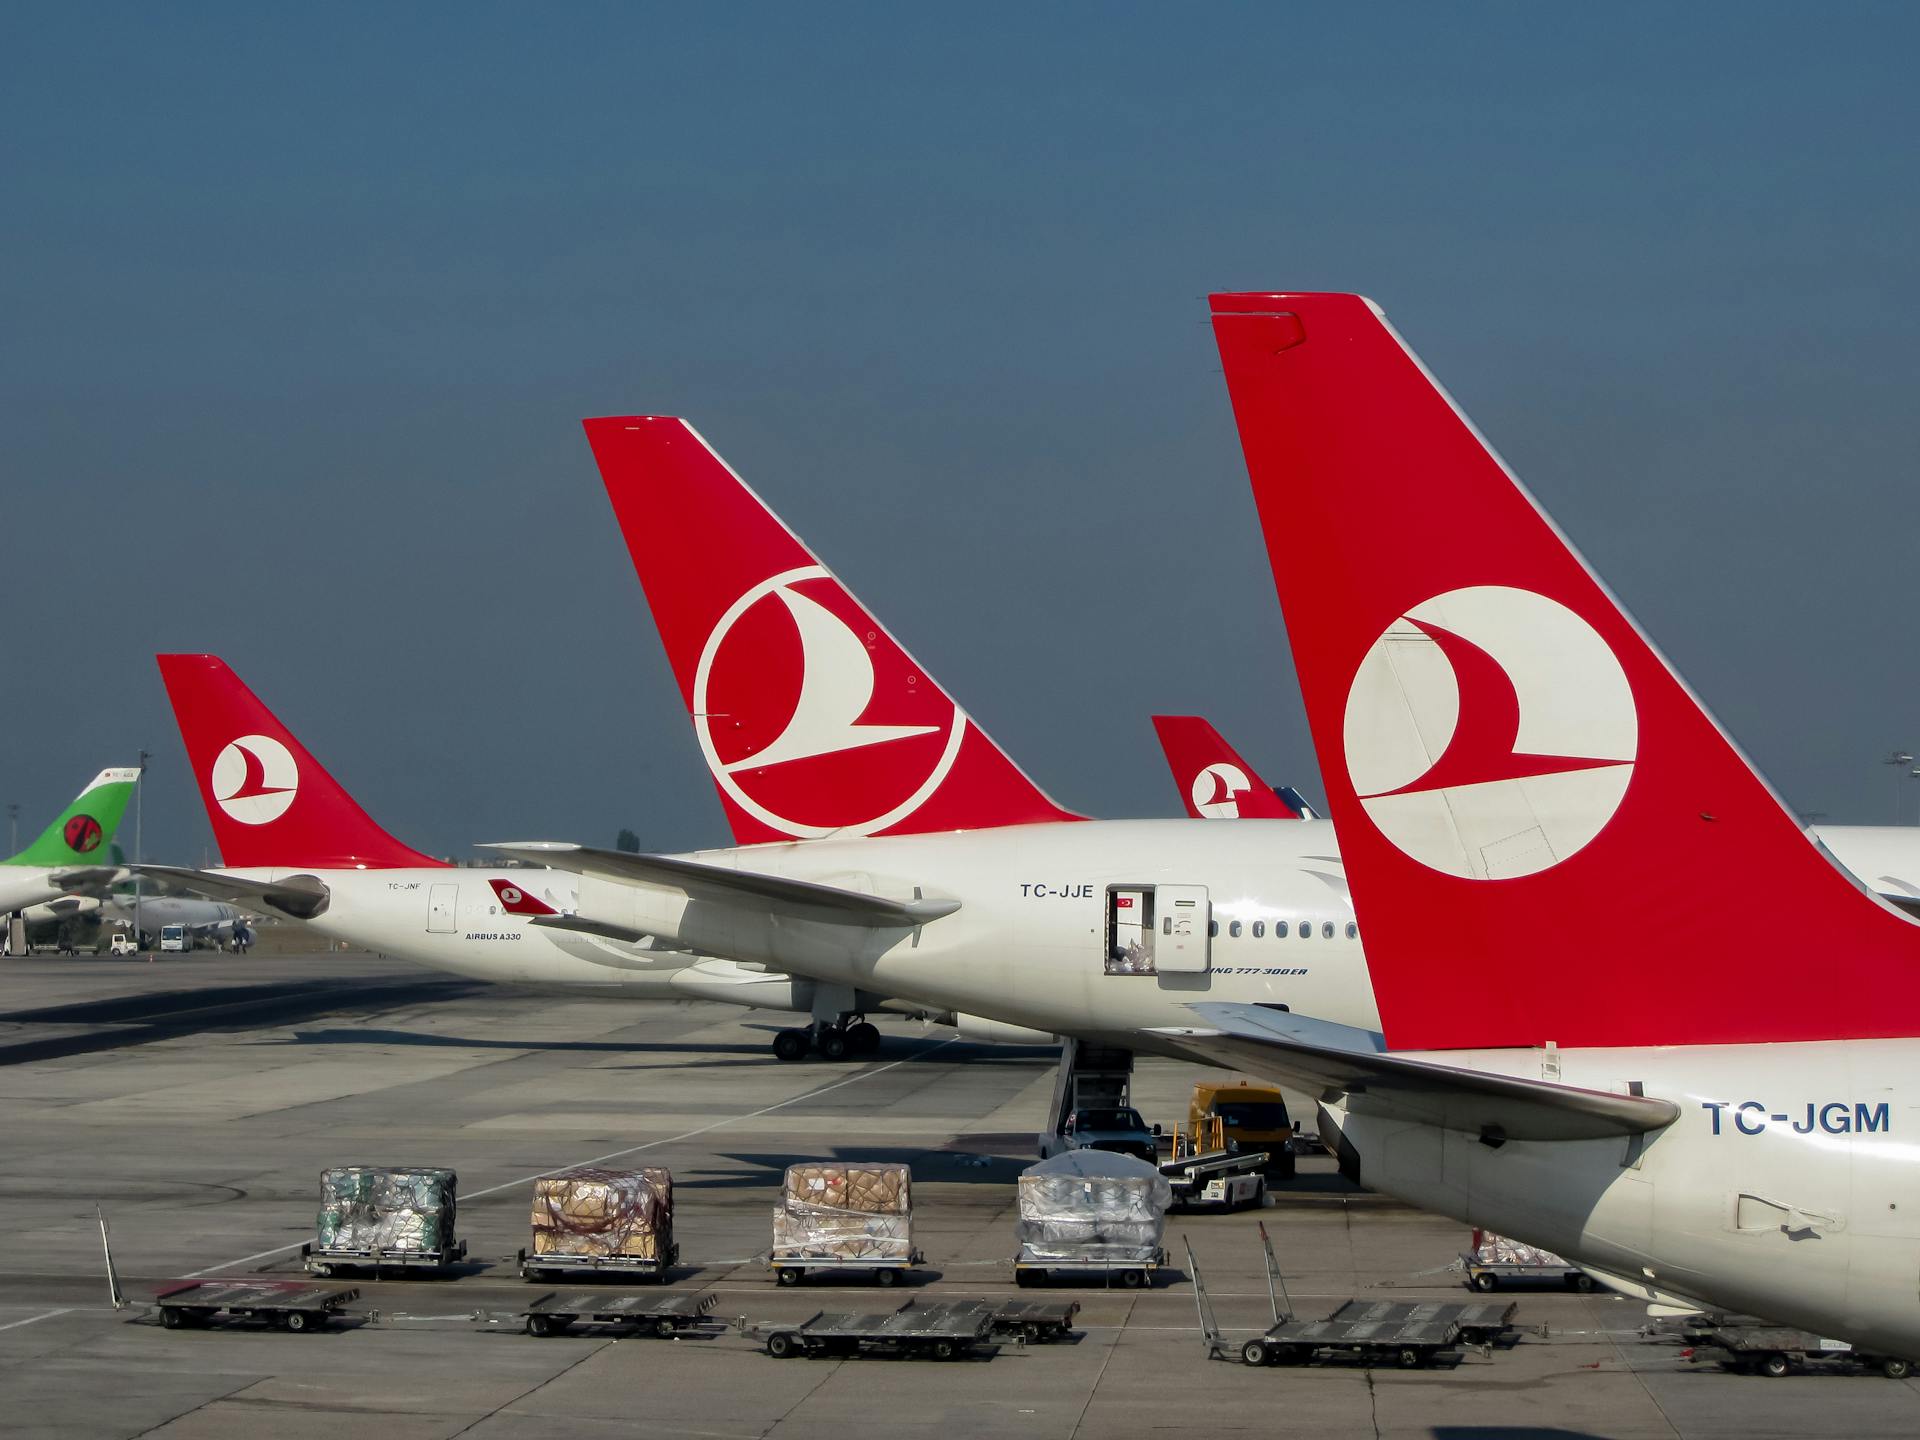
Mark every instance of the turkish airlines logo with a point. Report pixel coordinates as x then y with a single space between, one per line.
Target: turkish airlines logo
255 779
1490 733
1217 790
812 719
83 834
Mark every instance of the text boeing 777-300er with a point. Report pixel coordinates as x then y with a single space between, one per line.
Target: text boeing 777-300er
1598 1035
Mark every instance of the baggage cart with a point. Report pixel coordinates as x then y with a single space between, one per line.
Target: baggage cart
1411 1340
384 1218
590 1222
336 1259
1484 1323
286 1304
1495 1261
611 1267
941 1331
1752 1346
885 1271
840 1215
665 1316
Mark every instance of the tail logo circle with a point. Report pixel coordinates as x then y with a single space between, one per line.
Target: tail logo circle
1490 733
1216 791
83 834
814 721
255 779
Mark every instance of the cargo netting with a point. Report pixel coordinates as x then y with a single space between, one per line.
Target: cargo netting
845 1213
604 1213
395 1211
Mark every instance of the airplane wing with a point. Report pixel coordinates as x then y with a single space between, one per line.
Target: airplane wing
300 896
85 879
1338 1061
801 899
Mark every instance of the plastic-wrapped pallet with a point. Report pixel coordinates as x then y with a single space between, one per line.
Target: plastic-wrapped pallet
602 1213
1092 1205
845 1213
395 1211
1491 1249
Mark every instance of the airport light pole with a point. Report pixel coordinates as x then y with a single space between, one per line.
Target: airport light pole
139 853
13 827
1900 760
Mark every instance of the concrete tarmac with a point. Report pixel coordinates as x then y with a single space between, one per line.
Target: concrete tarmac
195 1101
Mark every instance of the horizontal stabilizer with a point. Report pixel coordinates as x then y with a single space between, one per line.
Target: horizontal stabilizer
801 899
300 896
79 879
1335 1061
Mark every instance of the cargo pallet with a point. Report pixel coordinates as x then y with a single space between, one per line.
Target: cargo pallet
288 1304
326 1262
1754 1347
1409 1336
663 1315
792 1269
1128 1274
943 1331
622 1267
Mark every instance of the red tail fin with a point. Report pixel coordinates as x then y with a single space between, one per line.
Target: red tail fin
1214 782
271 803
813 719
1547 836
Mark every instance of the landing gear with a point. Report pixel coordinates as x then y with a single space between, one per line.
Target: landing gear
851 1036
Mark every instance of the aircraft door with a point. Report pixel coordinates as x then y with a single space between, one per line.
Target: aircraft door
1130 937
1183 945
443 909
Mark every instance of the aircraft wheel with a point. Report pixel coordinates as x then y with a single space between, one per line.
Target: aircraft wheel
863 1038
832 1045
791 1045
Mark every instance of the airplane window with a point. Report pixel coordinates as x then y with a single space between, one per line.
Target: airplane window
1353 931
1306 929
1326 930
1259 929
1234 929
1279 929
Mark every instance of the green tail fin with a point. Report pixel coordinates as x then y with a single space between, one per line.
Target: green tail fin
84 831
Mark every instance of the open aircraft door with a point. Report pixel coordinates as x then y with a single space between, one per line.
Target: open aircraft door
442 908
1184 945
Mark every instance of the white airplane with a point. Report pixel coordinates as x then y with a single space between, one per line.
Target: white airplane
1631 1011
67 855
296 844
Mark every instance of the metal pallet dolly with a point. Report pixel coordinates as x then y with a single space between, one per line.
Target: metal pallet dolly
329 1262
1036 1322
1128 1274
1483 1323
1409 1342
792 1269
289 1304
942 1331
1754 1347
579 1267
663 1315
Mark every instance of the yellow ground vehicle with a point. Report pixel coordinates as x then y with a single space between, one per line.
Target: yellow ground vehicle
1249 1115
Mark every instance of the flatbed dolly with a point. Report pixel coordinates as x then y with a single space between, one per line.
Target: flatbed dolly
1483 1322
792 1269
1128 1274
1754 1347
585 1267
331 1262
663 1315
289 1304
940 1331
1410 1341
1492 1275
1035 1321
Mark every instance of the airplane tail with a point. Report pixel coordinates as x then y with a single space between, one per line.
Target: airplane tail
813 719
270 802
1547 836
1214 782
83 832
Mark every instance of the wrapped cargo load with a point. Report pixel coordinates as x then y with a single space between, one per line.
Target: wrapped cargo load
393 1211
604 1213
1092 1206
1492 1249
845 1214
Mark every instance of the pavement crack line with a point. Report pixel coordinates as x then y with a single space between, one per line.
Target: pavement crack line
1120 1330
812 1390
535 1389
204 1404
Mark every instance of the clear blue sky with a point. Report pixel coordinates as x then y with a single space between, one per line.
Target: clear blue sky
302 305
